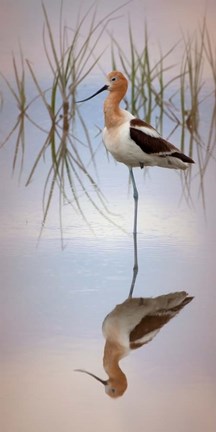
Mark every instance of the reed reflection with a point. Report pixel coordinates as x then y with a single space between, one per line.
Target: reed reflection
132 324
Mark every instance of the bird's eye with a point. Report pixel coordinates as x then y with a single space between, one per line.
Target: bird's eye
113 79
113 390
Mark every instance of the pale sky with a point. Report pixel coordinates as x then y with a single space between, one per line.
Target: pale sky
23 21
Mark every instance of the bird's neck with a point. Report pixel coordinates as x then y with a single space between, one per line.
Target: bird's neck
112 112
112 355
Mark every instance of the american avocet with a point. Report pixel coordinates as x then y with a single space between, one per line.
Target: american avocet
131 140
130 325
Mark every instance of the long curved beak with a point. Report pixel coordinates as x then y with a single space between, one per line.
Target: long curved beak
104 382
105 87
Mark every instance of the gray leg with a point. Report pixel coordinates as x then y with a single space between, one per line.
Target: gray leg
135 195
135 267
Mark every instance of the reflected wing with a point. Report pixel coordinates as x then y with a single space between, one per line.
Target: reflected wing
150 325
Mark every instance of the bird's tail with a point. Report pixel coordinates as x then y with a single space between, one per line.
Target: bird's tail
174 301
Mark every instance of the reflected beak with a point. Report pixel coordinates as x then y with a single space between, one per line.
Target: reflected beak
104 382
95 94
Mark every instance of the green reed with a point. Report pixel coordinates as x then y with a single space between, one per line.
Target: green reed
148 83
156 97
18 90
198 52
159 92
71 59
210 52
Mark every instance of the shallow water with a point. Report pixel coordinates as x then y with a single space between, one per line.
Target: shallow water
53 302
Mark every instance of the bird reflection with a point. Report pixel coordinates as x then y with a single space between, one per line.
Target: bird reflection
132 324
129 326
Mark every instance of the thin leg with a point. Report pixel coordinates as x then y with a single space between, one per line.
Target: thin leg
135 195
135 267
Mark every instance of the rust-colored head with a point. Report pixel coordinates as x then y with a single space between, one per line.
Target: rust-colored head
114 387
116 82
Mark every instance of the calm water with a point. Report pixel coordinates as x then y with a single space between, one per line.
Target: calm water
53 302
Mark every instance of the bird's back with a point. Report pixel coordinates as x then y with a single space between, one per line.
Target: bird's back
138 320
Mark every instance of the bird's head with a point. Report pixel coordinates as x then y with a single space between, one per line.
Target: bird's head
114 387
116 82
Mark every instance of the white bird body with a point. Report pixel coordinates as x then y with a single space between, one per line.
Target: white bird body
122 147
117 143
121 322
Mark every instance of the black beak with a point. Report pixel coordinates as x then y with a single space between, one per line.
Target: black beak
95 94
104 382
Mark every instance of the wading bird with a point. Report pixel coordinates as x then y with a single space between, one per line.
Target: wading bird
130 325
132 141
